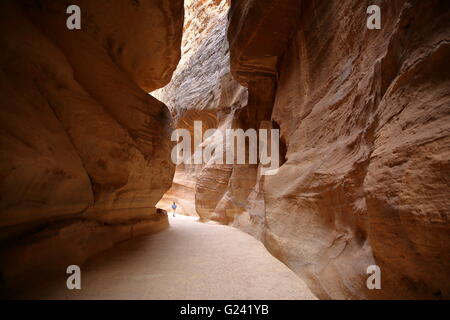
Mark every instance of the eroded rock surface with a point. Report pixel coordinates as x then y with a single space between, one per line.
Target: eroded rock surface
365 117
85 150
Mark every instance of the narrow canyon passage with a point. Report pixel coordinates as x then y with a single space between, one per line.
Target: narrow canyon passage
108 122
189 260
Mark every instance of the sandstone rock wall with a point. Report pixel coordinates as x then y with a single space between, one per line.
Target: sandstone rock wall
85 151
365 118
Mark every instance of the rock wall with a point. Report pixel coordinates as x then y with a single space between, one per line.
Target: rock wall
85 149
365 118
364 121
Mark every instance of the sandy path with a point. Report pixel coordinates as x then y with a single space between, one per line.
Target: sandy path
190 260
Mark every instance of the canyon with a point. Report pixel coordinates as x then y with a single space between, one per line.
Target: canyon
363 116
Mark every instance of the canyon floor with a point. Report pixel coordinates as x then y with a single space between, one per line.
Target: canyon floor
189 260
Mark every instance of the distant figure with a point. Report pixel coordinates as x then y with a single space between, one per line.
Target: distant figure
174 207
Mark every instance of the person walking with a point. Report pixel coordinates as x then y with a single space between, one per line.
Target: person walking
174 207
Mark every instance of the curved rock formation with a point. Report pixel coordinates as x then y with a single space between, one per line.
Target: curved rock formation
85 150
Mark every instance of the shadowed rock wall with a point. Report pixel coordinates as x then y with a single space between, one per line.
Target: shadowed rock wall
85 149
